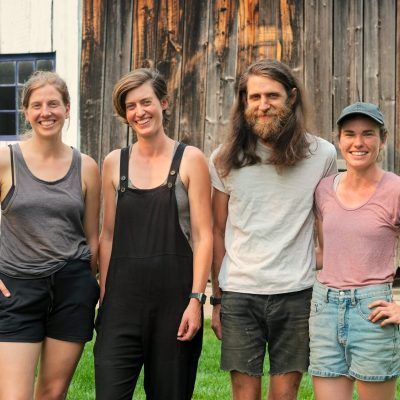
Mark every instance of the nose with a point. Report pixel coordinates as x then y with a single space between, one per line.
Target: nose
358 140
139 110
45 111
264 103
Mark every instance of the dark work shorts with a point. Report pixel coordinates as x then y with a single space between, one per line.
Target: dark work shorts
60 306
252 322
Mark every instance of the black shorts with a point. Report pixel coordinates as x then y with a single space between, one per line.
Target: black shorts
60 306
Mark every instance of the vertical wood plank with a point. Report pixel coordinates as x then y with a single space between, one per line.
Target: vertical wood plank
248 21
221 68
268 36
347 53
92 76
318 63
169 55
192 113
117 63
144 33
380 64
292 35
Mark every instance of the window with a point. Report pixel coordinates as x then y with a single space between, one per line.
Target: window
14 71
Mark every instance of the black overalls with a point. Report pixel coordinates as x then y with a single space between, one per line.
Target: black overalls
148 284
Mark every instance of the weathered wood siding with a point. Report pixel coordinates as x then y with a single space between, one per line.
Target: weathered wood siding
343 51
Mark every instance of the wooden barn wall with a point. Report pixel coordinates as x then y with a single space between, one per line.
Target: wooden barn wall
342 51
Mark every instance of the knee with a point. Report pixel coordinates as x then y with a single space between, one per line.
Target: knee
51 392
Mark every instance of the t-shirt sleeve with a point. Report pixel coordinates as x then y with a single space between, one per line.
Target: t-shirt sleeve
331 164
317 203
216 181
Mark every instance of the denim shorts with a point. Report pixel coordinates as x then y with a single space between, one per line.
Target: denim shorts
60 306
252 322
343 342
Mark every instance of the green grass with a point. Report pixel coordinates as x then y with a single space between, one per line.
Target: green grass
211 383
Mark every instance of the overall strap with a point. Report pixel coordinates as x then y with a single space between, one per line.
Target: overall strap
123 169
12 165
176 162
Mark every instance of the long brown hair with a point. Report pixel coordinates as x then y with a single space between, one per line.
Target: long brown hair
291 146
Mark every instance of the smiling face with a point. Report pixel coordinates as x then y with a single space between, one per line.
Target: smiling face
267 106
144 111
46 111
360 142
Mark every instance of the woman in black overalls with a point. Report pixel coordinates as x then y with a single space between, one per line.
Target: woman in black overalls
151 311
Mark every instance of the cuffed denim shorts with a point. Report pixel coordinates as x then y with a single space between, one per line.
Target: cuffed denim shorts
343 342
253 322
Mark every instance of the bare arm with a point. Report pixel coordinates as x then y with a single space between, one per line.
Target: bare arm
91 188
109 176
319 249
5 185
194 168
220 214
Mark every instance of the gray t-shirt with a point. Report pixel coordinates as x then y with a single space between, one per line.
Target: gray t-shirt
42 222
269 230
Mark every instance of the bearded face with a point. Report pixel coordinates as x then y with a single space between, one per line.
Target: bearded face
267 124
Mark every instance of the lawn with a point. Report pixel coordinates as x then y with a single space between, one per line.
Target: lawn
211 384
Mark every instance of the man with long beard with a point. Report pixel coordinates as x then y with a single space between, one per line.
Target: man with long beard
264 176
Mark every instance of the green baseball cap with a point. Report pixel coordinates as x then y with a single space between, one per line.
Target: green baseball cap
368 109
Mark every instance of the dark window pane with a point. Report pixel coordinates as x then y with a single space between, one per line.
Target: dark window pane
7 72
23 125
7 98
7 123
25 69
44 65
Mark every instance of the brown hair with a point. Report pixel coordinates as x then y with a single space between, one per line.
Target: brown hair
133 80
239 148
41 78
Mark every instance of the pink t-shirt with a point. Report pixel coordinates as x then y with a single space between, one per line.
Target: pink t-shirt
359 243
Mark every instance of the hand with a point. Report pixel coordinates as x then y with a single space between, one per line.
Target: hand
4 290
190 322
389 312
216 321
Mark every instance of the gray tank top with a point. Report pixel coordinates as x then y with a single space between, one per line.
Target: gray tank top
42 222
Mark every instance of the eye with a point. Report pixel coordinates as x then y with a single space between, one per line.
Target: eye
130 106
254 97
147 102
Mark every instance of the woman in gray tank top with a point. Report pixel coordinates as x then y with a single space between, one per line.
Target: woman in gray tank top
49 196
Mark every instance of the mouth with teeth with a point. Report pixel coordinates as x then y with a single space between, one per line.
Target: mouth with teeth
47 123
142 122
358 153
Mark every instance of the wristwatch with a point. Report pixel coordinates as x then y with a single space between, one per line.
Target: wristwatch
215 300
201 297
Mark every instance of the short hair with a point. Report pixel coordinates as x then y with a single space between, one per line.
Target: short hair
133 80
41 78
